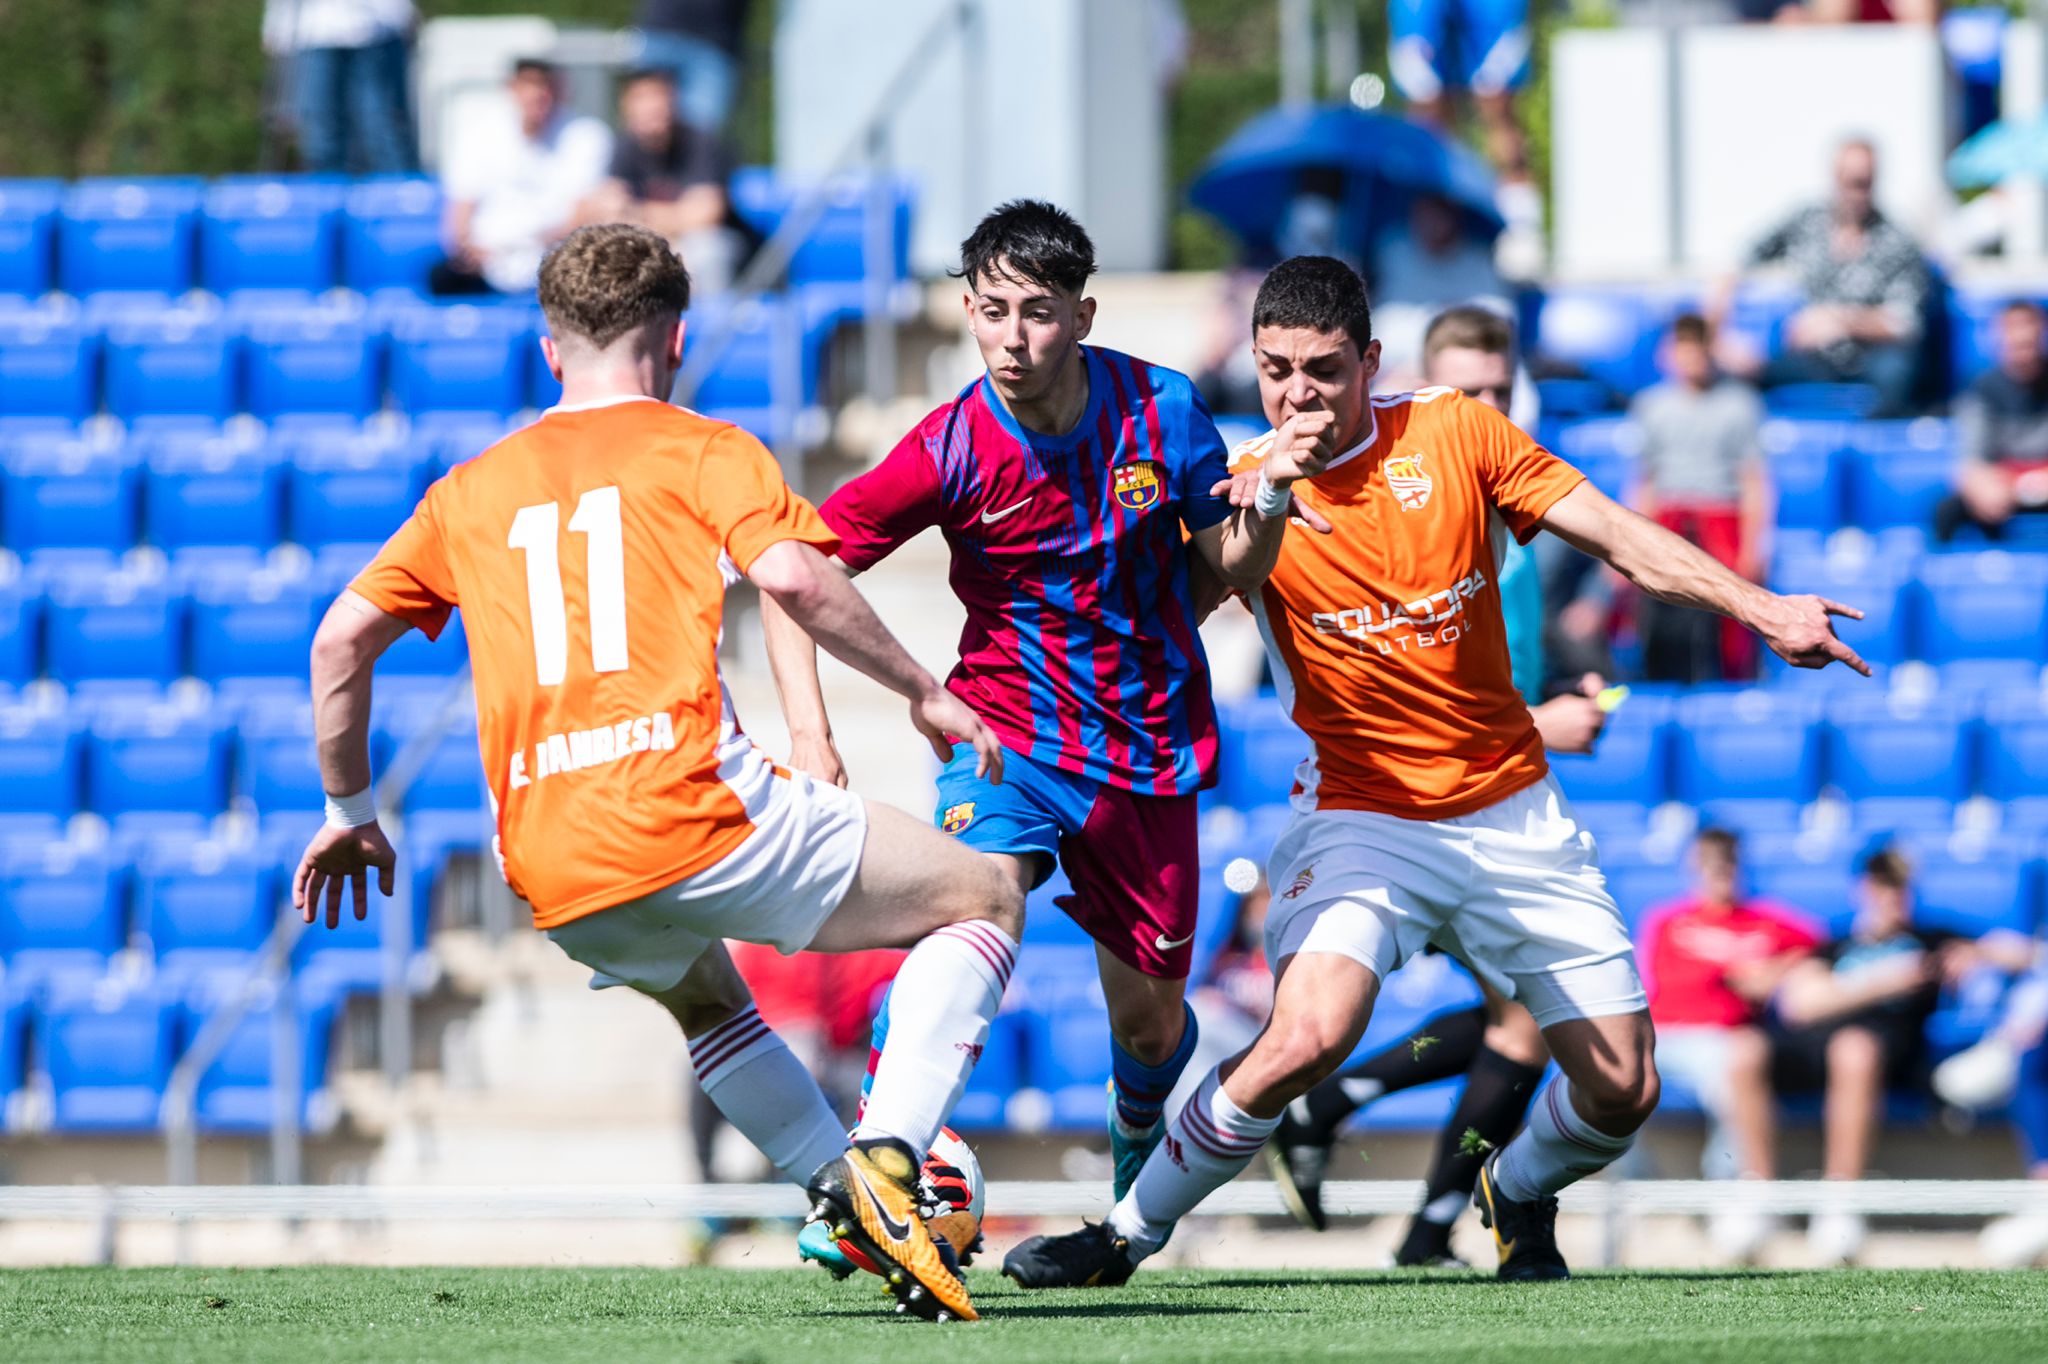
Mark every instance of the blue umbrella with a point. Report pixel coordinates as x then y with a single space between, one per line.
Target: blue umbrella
2011 146
1384 162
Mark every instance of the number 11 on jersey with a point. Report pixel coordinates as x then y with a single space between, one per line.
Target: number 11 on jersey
535 530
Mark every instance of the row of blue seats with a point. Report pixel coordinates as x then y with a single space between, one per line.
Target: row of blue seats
316 232
101 1059
295 358
1759 745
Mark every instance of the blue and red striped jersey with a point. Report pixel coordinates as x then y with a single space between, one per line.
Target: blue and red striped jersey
1080 649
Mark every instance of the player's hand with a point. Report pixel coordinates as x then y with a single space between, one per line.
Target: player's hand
1572 723
1301 447
1242 490
941 717
338 857
819 756
1801 631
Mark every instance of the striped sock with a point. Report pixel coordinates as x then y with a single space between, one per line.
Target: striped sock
946 991
755 1080
1557 1148
1206 1144
1141 1090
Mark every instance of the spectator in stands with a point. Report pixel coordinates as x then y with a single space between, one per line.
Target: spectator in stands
698 42
1430 263
348 64
2001 424
2010 1067
671 177
1702 477
514 186
1711 962
1866 290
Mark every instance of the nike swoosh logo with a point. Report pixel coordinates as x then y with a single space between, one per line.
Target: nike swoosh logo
991 517
1159 941
899 1230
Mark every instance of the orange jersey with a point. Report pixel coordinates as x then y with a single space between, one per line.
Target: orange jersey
590 553
1386 636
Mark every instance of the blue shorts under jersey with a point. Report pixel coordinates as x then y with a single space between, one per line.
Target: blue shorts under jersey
1476 45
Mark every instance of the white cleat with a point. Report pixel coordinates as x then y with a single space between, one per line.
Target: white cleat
1835 1238
2015 1242
1980 1078
1738 1237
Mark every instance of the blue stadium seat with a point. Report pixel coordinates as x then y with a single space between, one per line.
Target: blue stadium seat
312 363
460 357
1751 815
116 626
1604 449
1978 678
263 233
1804 461
1886 746
253 626
128 234
1973 891
1261 748
177 364
349 490
41 763
1875 586
107 1060
1070 1061
999 1074
835 249
48 368
60 914
458 436
1631 763
207 910
237 1092
209 491
1813 876
1640 882
1990 604
275 763
14 1011
1752 745
156 758
1607 333
761 367
1973 317
2016 747
1897 471
21 620
69 497
1045 921
28 233
1758 316
390 234
452 778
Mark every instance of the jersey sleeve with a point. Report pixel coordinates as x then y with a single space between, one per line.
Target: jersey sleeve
1520 477
410 577
888 505
1207 461
742 494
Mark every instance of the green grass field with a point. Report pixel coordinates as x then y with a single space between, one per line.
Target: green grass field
556 1315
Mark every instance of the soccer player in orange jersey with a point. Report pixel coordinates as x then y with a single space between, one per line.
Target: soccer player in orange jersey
591 552
1425 812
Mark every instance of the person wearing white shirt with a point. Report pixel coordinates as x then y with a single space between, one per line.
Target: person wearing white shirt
513 186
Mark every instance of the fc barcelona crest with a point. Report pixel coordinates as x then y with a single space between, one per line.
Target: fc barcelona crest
957 817
1137 485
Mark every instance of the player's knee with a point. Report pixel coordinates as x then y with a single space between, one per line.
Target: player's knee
1305 1055
1855 1053
1148 1032
1749 1052
985 892
1622 1094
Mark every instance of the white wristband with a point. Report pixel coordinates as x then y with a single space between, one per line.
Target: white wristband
352 812
1271 501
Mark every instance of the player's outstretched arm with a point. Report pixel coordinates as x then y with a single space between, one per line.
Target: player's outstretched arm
1799 629
818 597
345 650
793 662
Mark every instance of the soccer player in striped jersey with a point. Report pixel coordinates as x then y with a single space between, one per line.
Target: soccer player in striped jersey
1072 484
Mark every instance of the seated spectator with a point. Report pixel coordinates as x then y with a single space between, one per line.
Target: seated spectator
1702 477
1866 288
2001 424
514 186
1317 220
670 177
2010 1066
1711 962
1431 263
1851 1023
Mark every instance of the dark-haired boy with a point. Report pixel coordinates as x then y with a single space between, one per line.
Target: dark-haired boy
1425 813
1072 483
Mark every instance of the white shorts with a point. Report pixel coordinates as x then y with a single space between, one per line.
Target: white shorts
777 888
1514 891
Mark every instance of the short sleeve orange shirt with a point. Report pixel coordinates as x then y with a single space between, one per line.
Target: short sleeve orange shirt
590 553
1386 636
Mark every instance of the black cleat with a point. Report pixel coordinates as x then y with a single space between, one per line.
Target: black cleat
1093 1257
1427 1246
1524 1233
868 1199
1299 1162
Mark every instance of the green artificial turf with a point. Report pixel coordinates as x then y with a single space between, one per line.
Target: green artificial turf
215 1316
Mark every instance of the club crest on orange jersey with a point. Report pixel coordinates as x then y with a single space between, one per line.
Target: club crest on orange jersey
1408 482
1301 883
1138 485
957 817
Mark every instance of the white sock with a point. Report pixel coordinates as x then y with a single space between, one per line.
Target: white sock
1206 1144
1557 1148
762 1089
946 991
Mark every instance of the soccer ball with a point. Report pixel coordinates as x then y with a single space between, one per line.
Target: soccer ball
953 1193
